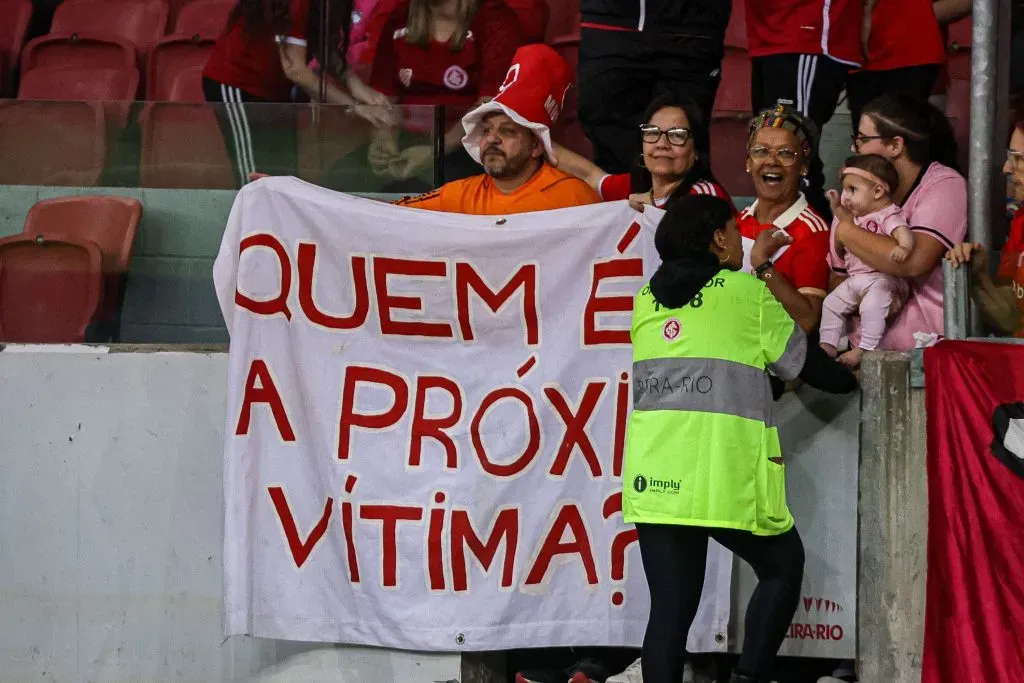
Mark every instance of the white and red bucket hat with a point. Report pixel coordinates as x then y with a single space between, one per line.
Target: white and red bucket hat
532 95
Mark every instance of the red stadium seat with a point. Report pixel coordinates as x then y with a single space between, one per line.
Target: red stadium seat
174 8
15 16
172 56
110 222
187 85
570 135
49 289
568 46
959 34
736 32
140 22
729 156
202 163
568 132
734 91
51 143
80 83
564 18
84 49
206 18
534 16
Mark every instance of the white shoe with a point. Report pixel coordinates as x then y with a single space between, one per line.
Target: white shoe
632 674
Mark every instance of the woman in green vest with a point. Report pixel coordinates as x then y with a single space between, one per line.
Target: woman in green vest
702 454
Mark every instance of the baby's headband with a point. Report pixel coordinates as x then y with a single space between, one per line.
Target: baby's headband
865 174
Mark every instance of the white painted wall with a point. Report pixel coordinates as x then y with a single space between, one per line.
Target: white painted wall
110 541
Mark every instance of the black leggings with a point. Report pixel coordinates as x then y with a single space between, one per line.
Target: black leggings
674 559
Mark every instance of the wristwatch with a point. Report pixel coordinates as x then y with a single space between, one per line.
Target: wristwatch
760 270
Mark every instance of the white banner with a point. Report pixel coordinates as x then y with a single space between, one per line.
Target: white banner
426 417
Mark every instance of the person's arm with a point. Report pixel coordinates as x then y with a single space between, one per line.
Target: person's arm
949 11
579 166
804 308
788 355
875 250
865 27
904 244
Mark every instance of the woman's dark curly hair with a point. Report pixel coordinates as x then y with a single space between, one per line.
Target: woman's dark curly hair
688 228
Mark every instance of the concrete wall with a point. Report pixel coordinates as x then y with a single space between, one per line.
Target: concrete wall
893 522
111 497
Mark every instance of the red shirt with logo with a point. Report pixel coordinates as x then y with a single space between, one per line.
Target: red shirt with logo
1011 266
808 27
904 33
250 60
436 74
804 262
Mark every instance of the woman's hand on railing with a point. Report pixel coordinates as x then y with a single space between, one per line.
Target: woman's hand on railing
969 252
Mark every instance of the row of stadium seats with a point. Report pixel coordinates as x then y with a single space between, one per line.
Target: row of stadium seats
83 66
122 31
65 272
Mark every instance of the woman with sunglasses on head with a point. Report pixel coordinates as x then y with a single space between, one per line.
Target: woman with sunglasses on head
1001 299
785 241
670 164
918 140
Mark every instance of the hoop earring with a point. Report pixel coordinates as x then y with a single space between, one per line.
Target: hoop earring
723 260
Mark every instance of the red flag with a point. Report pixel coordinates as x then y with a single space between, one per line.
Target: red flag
974 617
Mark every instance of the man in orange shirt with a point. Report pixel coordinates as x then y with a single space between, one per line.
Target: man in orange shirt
511 137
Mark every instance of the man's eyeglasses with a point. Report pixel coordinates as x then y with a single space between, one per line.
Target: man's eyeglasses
1015 159
676 136
785 156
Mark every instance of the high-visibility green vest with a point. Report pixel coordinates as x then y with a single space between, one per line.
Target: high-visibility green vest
702 446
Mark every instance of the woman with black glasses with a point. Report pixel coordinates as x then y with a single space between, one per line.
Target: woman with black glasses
669 165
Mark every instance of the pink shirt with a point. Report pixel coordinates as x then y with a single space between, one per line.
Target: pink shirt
936 208
881 222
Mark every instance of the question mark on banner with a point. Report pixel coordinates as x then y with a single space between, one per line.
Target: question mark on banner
620 545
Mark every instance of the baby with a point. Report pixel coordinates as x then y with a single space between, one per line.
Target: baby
868 181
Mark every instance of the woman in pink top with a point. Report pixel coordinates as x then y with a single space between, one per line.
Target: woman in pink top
919 142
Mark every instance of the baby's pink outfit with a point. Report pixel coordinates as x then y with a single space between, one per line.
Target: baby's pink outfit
876 295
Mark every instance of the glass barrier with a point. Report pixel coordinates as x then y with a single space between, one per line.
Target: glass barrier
184 145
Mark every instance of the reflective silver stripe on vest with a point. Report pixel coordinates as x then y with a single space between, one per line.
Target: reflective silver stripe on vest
791 362
708 385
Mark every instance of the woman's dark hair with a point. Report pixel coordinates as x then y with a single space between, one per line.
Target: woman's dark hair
640 177
689 225
683 241
926 132
877 165
339 21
